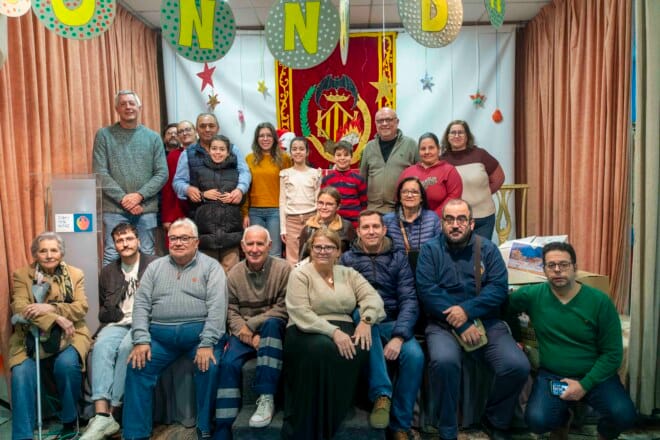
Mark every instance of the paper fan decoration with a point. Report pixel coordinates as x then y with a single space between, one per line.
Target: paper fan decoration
344 26
14 8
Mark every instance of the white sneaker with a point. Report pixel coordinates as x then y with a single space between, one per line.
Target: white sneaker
264 413
100 427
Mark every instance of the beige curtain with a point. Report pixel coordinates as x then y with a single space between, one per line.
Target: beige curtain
645 292
54 94
572 131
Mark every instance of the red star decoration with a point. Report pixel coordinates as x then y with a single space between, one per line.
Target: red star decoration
207 76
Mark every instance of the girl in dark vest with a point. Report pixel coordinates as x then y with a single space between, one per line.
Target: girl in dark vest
220 224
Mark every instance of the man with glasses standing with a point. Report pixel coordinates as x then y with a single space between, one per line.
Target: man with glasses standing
129 159
180 309
384 158
462 285
578 323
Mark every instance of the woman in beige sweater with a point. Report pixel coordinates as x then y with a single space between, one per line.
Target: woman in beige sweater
323 349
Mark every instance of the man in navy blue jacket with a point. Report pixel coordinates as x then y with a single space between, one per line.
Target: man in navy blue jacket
446 283
388 271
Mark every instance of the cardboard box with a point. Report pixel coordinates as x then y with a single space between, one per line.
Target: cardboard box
601 282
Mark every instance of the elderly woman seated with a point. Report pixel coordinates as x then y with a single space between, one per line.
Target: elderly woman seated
48 295
323 349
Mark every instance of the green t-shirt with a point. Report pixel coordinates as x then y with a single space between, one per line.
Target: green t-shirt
580 339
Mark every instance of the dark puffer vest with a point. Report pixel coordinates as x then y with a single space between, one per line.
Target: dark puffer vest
220 225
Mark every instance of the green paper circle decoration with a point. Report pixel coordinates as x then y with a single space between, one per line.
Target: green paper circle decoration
76 19
434 27
306 42
209 41
14 8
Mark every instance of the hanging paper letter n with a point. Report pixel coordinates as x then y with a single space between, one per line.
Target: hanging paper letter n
190 19
305 25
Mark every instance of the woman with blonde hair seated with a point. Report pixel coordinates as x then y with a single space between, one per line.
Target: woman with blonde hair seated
323 349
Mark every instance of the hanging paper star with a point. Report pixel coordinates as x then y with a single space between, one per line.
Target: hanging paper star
478 99
385 89
262 88
213 101
207 76
427 82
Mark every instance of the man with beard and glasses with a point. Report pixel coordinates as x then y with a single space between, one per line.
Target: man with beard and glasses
117 285
462 285
578 323
171 138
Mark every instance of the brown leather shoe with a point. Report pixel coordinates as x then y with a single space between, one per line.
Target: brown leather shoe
380 414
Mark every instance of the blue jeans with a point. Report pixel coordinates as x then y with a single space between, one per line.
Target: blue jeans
168 342
507 361
546 412
269 367
145 224
111 349
485 226
269 218
411 368
67 371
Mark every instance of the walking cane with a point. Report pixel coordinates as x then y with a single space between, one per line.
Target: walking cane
39 291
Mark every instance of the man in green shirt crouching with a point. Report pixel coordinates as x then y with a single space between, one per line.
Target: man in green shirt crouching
580 349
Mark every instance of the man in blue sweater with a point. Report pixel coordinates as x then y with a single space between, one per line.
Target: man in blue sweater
180 309
388 271
459 296
130 161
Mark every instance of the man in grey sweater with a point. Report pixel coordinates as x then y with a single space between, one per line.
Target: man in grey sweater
130 161
180 309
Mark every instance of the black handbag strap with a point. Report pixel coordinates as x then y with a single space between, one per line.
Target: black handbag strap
477 263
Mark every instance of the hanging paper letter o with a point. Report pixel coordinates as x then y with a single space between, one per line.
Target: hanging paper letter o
432 23
301 34
199 30
76 19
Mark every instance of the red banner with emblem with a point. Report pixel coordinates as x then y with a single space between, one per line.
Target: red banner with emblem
332 102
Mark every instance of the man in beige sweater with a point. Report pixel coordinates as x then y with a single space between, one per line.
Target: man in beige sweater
256 317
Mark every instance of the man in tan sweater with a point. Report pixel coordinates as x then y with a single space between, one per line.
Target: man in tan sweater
256 317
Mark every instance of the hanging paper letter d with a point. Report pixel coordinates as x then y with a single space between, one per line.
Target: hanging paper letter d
434 15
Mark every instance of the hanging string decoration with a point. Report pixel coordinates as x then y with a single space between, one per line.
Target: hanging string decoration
386 88
478 99
497 114
427 80
261 84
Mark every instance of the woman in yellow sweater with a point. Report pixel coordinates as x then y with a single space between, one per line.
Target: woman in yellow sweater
265 163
